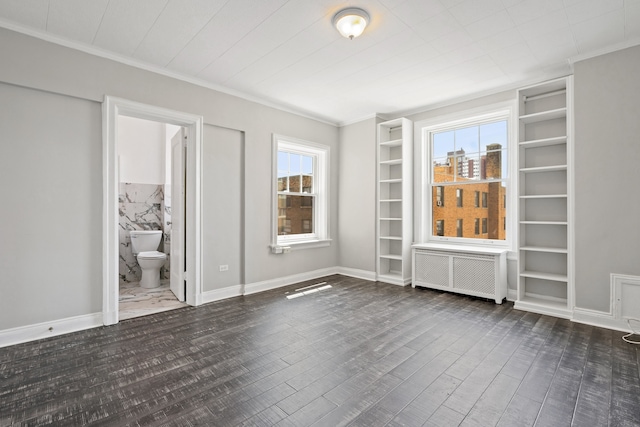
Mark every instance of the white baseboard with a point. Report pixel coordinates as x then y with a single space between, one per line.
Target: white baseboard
220 294
265 285
49 329
512 295
357 273
600 319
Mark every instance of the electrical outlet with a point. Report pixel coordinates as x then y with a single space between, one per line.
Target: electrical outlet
224 267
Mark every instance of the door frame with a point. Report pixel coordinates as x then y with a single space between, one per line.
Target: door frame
112 107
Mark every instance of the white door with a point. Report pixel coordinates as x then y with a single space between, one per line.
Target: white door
177 253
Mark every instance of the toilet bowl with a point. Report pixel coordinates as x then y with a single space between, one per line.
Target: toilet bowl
144 245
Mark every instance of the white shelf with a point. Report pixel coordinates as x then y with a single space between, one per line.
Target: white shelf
550 307
544 196
391 162
391 181
544 222
540 169
544 249
543 116
391 256
545 276
392 143
391 238
390 219
390 200
545 142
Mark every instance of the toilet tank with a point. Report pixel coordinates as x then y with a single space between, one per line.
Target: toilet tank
145 240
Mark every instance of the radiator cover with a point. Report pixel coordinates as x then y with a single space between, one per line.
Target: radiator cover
467 270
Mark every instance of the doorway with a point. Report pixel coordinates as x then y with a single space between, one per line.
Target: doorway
190 270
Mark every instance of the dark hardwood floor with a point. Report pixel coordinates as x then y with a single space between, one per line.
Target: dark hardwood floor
359 354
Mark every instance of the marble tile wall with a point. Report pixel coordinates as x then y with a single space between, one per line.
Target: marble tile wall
141 207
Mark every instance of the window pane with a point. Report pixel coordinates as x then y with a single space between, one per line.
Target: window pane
467 140
294 183
283 183
294 163
307 165
493 133
307 184
283 162
443 143
483 219
443 171
468 166
297 217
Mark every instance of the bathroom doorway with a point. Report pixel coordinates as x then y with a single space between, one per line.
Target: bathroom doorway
151 200
184 241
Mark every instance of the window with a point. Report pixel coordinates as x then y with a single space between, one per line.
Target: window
300 176
440 196
466 156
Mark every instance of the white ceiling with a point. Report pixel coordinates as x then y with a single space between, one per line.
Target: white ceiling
415 54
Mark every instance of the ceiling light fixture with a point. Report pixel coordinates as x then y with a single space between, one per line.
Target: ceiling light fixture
351 22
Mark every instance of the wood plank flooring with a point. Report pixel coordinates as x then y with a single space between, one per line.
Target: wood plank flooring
358 354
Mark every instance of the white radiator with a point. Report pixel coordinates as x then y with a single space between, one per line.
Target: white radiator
467 270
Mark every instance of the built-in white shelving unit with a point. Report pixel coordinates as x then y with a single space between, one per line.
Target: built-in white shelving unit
545 235
394 201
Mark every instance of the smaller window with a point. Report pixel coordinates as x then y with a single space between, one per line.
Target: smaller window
306 225
476 200
484 199
440 227
504 201
459 197
484 225
459 228
476 224
504 219
439 196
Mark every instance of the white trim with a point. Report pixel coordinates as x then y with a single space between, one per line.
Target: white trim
600 319
265 285
112 107
357 273
49 329
92 50
604 51
224 293
512 294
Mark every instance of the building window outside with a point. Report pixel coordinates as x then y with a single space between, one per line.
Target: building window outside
476 226
440 196
301 191
469 156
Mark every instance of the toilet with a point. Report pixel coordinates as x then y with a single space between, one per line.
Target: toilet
145 248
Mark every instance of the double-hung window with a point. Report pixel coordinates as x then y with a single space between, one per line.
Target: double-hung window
300 180
466 156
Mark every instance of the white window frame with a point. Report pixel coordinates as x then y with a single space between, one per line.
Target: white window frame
423 208
320 236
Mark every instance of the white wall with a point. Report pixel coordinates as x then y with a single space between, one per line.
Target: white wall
57 164
607 173
357 210
141 149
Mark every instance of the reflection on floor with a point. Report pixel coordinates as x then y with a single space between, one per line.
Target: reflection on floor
136 301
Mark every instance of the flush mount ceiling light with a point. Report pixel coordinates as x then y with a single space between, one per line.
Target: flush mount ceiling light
351 22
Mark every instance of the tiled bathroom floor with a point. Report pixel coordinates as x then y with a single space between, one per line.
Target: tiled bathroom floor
136 301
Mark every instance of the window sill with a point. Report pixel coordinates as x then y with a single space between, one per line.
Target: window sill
285 247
